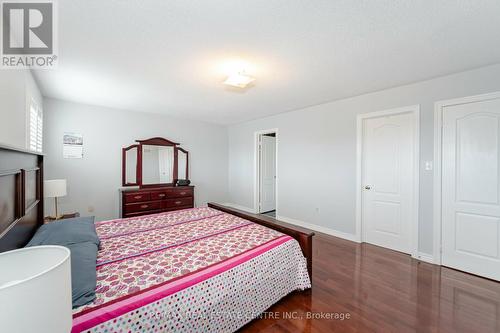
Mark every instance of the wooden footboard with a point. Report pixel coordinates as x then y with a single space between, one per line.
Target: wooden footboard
302 235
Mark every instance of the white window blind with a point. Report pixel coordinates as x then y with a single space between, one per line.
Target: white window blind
35 127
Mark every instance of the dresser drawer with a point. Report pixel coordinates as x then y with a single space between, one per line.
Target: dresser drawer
137 197
160 195
179 202
140 207
180 192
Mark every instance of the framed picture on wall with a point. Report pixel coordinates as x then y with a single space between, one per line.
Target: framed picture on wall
72 145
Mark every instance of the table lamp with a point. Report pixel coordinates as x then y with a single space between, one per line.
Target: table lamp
55 188
35 290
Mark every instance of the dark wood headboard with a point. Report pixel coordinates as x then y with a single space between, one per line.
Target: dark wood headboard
21 196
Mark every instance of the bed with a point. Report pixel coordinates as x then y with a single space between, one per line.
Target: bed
210 269
192 270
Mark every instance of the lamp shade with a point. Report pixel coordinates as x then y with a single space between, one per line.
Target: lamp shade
35 290
54 188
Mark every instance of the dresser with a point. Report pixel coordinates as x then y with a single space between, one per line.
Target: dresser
136 202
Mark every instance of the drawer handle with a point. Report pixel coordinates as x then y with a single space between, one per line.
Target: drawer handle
144 206
138 197
161 195
178 202
183 193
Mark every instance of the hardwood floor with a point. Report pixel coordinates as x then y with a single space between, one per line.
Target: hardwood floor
384 291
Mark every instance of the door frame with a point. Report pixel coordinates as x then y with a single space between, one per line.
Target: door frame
256 187
438 172
360 118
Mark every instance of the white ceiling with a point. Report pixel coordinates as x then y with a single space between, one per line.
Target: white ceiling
164 56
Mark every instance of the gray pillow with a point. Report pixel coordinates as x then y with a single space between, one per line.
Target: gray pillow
79 236
67 231
83 272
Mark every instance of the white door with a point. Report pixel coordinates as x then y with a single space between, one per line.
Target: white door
165 164
387 179
267 173
470 188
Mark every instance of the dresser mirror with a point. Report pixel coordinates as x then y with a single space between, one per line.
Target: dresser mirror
154 162
157 165
182 162
130 156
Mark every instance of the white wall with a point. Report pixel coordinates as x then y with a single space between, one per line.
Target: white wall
17 88
317 151
94 180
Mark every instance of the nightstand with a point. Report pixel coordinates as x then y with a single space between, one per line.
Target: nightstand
65 216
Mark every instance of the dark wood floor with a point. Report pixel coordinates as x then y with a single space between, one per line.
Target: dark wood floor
384 291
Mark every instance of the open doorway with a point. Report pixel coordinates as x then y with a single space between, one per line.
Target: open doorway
266 153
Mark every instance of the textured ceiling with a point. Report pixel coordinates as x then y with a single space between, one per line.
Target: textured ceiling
166 56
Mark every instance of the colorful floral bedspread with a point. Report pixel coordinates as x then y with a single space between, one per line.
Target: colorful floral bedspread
186 271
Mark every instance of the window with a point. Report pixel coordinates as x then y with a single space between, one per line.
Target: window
35 127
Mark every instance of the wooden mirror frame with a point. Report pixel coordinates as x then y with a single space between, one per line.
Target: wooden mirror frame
157 141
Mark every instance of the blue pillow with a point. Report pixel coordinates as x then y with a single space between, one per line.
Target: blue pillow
67 231
79 236
83 272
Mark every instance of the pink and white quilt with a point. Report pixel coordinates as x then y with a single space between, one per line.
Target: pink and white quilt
194 270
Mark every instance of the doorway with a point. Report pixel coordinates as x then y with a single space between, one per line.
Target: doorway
266 171
387 186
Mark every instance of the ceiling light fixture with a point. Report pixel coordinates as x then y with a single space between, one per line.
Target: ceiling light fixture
239 80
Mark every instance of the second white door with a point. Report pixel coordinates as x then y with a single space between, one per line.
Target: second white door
267 195
388 150
471 187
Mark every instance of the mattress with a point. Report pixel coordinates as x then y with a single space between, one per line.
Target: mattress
188 271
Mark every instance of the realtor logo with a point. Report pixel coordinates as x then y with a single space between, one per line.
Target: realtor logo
28 34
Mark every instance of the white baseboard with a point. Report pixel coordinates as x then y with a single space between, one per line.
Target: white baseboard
246 209
424 257
325 230
429 258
